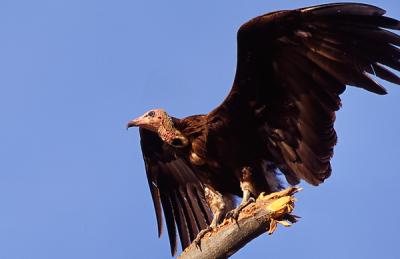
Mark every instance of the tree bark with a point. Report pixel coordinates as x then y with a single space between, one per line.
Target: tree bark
254 220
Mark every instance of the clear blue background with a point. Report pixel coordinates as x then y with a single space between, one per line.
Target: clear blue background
72 180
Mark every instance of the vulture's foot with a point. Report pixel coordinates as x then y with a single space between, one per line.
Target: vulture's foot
200 235
234 214
246 184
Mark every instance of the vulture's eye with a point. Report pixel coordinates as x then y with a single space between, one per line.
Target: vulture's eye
151 114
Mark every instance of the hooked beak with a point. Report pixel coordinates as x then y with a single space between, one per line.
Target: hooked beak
136 122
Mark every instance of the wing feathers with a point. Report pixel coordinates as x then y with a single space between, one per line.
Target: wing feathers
180 219
155 195
174 188
189 215
342 47
296 64
343 9
380 71
200 213
170 221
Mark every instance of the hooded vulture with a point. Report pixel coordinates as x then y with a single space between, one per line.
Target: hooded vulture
292 67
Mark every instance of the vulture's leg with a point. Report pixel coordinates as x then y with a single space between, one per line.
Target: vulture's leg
219 205
247 188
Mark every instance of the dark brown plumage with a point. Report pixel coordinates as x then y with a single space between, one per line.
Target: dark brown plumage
292 66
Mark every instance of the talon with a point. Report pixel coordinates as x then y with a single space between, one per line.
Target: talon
200 235
234 214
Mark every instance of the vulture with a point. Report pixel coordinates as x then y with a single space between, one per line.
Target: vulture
278 118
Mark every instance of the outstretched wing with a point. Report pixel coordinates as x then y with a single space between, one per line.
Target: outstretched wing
292 67
174 188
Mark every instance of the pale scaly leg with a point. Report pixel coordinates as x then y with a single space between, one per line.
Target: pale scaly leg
218 205
247 188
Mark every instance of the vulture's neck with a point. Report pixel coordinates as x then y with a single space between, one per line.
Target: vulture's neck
169 134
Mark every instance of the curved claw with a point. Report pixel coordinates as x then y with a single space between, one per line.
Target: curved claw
200 235
234 214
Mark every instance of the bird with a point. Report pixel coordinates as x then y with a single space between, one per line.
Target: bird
277 119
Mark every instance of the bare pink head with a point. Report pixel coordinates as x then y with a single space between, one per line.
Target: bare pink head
151 120
159 121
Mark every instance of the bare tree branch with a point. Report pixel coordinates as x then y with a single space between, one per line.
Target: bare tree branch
254 220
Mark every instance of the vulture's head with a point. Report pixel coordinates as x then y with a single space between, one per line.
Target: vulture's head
159 121
151 120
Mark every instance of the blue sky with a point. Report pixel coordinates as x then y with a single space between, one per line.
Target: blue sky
72 180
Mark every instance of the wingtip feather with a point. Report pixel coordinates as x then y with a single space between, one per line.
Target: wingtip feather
345 9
